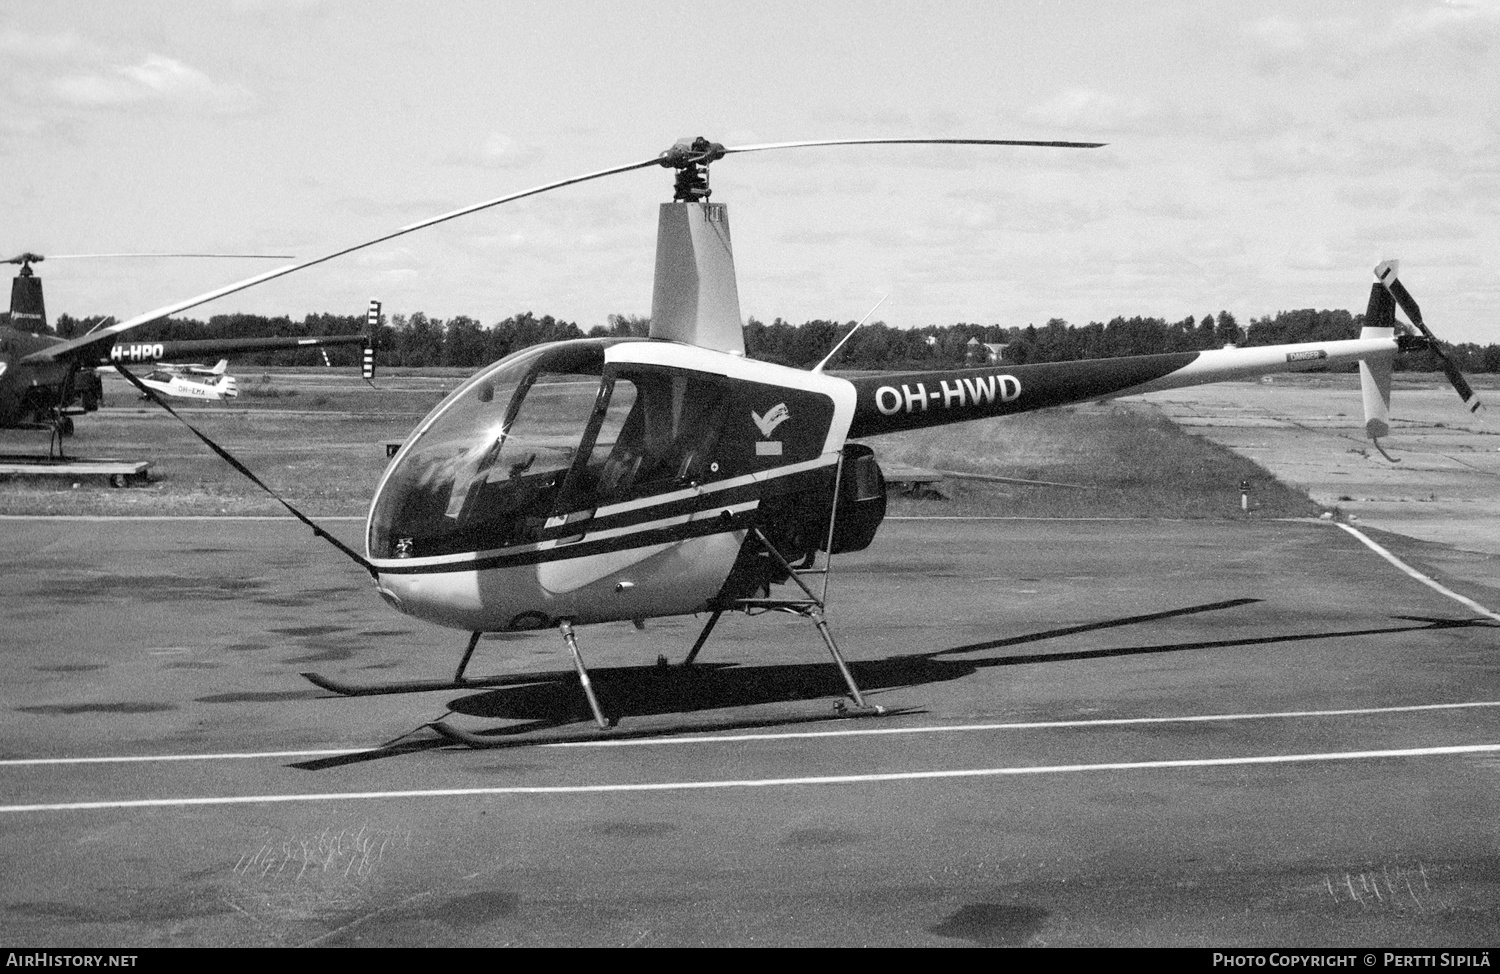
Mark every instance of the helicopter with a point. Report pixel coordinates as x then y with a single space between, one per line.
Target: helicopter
43 386
624 479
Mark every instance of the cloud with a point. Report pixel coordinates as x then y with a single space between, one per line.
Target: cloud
1326 153
157 80
1455 35
1312 256
498 152
34 47
1087 110
1468 26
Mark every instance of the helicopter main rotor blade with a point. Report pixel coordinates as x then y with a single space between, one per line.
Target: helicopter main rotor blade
1387 273
817 142
30 258
104 334
240 256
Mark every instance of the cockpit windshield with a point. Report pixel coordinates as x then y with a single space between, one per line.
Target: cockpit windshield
546 433
484 471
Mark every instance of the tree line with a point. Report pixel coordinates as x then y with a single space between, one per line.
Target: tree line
418 341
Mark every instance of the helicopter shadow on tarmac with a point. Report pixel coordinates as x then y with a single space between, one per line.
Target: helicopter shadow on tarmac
655 699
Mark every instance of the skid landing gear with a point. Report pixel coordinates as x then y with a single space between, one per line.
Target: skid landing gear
609 729
809 606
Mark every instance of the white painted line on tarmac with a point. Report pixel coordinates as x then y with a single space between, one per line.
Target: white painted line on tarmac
785 735
1462 600
97 518
664 786
1034 725
1008 517
94 518
153 758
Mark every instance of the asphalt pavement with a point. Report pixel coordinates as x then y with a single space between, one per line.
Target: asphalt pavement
1111 733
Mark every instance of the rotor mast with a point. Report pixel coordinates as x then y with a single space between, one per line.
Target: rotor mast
695 297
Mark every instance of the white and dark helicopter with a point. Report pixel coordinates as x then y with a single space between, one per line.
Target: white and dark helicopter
624 479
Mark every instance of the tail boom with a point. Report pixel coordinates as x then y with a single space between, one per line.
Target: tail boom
916 400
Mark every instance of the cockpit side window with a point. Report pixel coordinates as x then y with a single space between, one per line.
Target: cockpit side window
513 478
658 431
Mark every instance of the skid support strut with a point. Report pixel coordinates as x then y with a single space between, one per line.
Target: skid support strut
566 628
810 607
816 615
703 637
463 664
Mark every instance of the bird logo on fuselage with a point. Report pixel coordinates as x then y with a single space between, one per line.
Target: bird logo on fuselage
773 418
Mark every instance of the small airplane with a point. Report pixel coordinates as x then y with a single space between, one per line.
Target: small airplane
624 479
41 383
193 381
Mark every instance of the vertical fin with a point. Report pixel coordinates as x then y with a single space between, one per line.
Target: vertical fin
695 298
27 310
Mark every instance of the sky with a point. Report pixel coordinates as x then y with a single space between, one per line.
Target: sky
1262 156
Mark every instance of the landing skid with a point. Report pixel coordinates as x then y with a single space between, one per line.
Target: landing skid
459 681
408 686
573 735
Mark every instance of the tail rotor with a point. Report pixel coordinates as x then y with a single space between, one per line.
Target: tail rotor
1387 274
372 331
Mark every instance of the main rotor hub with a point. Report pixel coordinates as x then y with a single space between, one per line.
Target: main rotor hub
691 157
26 260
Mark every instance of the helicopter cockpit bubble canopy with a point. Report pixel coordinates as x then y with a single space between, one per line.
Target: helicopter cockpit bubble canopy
534 449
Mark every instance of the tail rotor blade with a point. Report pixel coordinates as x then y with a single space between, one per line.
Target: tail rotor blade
1460 384
1387 272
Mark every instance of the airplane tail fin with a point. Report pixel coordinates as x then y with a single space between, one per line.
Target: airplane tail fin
220 367
372 329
